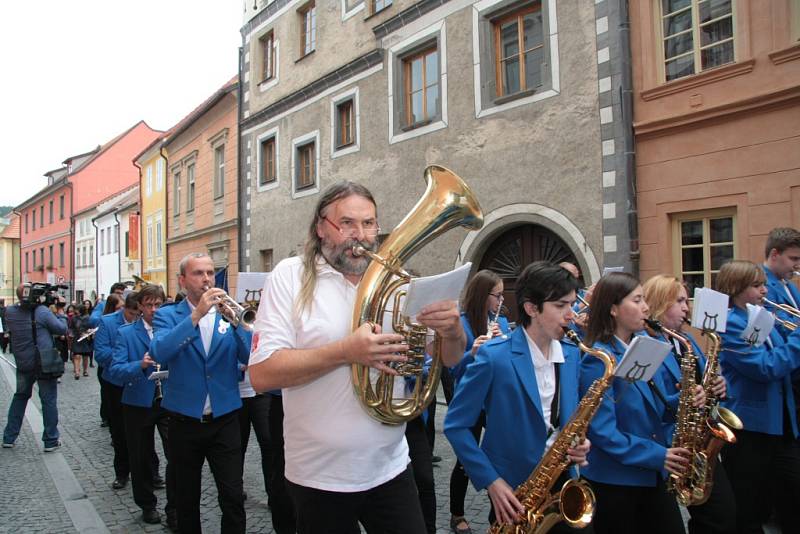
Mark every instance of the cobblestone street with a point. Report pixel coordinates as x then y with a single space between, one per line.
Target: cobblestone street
37 495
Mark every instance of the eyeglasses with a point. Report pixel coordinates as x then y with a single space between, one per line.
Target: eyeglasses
497 295
350 229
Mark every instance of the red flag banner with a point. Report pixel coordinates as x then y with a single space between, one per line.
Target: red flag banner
133 236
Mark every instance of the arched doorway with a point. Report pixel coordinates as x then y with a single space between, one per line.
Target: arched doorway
513 250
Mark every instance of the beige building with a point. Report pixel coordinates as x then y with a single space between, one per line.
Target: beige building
376 91
9 257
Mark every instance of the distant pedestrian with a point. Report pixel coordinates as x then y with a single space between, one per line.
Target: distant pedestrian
83 346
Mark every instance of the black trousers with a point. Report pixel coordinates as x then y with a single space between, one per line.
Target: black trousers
718 514
103 394
763 465
281 505
140 426
191 443
458 478
117 426
255 413
391 508
430 424
420 452
636 509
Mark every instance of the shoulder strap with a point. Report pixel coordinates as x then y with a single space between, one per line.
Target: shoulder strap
38 359
555 404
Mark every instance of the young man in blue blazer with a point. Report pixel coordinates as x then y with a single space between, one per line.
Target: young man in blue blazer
203 351
141 407
782 260
528 387
104 341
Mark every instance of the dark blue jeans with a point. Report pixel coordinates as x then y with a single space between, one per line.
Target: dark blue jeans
48 394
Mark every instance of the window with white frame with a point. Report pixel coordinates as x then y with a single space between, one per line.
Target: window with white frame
116 239
159 174
150 237
190 187
176 190
308 28
91 255
421 86
267 160
108 240
702 242
219 171
345 123
267 47
379 5
102 241
696 35
148 183
305 164
159 242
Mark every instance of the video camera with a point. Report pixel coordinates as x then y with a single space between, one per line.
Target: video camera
36 293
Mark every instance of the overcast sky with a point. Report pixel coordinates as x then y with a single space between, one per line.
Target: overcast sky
78 73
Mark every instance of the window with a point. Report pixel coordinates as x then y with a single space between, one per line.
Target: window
91 255
704 243
116 239
34 259
127 243
51 212
61 254
148 184
379 5
266 260
345 124
50 263
149 237
33 219
27 267
305 168
267 172
696 35
102 240
219 171
41 257
61 207
421 81
308 34
176 197
159 244
108 240
159 174
189 187
41 216
82 257
26 222
519 50
267 44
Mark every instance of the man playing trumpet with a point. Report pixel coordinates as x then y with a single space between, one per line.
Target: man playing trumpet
782 259
203 351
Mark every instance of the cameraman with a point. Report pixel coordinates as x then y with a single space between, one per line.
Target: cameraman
19 324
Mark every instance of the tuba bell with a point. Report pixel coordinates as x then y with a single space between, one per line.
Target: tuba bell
447 202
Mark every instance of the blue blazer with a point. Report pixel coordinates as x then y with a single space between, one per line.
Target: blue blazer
777 294
502 381
457 371
97 314
628 432
104 341
132 343
759 378
192 373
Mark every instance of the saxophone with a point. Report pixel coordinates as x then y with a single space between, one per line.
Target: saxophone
719 424
574 503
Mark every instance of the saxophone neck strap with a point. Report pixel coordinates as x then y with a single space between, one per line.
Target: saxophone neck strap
555 404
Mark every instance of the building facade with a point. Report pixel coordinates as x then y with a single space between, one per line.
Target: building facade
108 233
128 217
717 125
202 190
153 221
521 99
85 281
9 258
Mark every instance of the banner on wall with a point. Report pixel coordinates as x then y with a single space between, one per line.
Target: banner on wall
133 236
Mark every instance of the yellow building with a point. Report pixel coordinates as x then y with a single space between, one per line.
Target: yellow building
9 258
152 163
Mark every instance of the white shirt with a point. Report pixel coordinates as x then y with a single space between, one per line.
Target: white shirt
148 328
206 326
331 442
545 371
789 293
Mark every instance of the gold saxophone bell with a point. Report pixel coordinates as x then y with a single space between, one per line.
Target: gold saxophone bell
447 202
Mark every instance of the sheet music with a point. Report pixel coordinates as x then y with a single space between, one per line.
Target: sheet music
429 289
760 323
710 309
158 375
642 359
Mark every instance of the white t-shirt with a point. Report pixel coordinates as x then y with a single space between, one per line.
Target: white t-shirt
545 371
331 442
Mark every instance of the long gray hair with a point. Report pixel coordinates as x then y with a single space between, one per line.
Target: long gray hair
313 246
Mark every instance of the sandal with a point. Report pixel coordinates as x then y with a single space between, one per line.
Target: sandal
86 373
455 521
77 376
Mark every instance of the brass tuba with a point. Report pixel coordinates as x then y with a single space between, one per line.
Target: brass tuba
447 202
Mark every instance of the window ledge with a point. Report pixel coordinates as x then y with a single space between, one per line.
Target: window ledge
301 58
416 125
266 81
500 100
696 80
787 54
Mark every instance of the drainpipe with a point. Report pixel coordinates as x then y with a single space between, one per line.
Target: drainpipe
71 239
626 103
242 186
119 256
139 240
165 221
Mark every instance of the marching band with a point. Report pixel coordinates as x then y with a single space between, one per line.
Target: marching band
540 420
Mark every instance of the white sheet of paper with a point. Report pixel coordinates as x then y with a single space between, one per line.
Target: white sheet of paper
254 282
156 375
759 324
607 270
429 289
710 309
642 359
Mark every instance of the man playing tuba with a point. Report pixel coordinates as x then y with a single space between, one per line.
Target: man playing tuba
342 466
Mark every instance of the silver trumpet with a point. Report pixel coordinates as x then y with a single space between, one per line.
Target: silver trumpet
89 333
235 313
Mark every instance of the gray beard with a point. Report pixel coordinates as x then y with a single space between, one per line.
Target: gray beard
336 256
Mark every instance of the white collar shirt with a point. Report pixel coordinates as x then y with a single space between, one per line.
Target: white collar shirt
789 292
545 371
331 443
148 328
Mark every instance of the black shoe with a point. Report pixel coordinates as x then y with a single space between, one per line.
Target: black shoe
172 520
158 483
151 517
436 459
119 483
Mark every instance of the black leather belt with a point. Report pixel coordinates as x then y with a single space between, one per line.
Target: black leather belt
206 418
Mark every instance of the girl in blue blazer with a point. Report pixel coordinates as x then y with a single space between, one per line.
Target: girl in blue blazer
766 455
483 298
528 387
630 454
668 301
